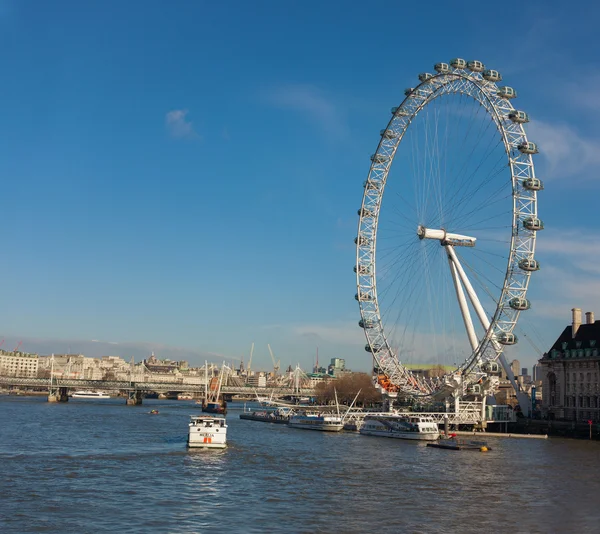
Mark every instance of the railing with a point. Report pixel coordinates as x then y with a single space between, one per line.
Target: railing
157 386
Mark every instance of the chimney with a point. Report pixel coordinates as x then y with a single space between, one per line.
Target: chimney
576 320
589 317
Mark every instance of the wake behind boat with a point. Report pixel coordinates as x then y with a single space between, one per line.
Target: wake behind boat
90 395
401 427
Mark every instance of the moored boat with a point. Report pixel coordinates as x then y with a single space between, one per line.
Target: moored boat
279 416
317 421
401 427
457 444
207 431
214 407
90 395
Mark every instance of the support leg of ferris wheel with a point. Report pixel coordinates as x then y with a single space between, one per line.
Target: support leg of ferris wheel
485 322
466 314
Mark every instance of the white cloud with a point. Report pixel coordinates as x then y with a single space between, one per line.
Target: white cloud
178 126
569 274
311 101
566 153
584 95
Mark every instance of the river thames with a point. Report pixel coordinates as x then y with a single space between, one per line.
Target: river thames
101 466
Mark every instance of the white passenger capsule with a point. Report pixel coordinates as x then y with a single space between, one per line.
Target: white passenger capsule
458 63
519 117
507 338
533 223
533 184
528 148
519 303
442 68
491 367
529 264
506 92
492 75
475 66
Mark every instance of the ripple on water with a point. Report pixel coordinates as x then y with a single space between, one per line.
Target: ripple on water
101 468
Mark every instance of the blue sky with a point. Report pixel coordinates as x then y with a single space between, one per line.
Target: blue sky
188 173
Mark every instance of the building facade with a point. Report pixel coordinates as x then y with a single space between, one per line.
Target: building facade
19 364
570 371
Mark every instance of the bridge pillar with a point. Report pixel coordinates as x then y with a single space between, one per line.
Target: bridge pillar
134 398
58 395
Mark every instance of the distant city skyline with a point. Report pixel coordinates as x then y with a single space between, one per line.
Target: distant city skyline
188 174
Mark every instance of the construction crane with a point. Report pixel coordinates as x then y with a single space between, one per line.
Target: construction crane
17 347
1 343
276 364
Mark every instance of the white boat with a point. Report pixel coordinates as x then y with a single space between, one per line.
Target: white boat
90 395
207 431
317 421
401 427
325 422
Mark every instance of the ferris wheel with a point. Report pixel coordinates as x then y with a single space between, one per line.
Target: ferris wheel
443 263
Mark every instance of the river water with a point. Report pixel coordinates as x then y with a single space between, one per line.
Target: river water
101 466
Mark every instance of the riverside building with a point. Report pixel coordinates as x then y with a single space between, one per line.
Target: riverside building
19 364
570 371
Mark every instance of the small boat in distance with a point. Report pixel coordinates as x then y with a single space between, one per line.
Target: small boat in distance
90 395
401 427
207 431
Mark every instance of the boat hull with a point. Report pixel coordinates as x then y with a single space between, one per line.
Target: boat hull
321 422
200 445
415 436
89 395
281 420
324 428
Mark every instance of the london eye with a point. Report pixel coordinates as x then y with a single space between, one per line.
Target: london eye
444 259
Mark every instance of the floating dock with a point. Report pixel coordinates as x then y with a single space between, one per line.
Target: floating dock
499 435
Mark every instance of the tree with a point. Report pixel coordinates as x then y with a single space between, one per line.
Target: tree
346 387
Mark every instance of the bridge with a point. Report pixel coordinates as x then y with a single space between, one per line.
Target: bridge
58 388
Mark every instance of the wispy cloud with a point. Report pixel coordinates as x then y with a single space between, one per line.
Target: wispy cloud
570 273
339 333
311 102
585 96
566 152
179 126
